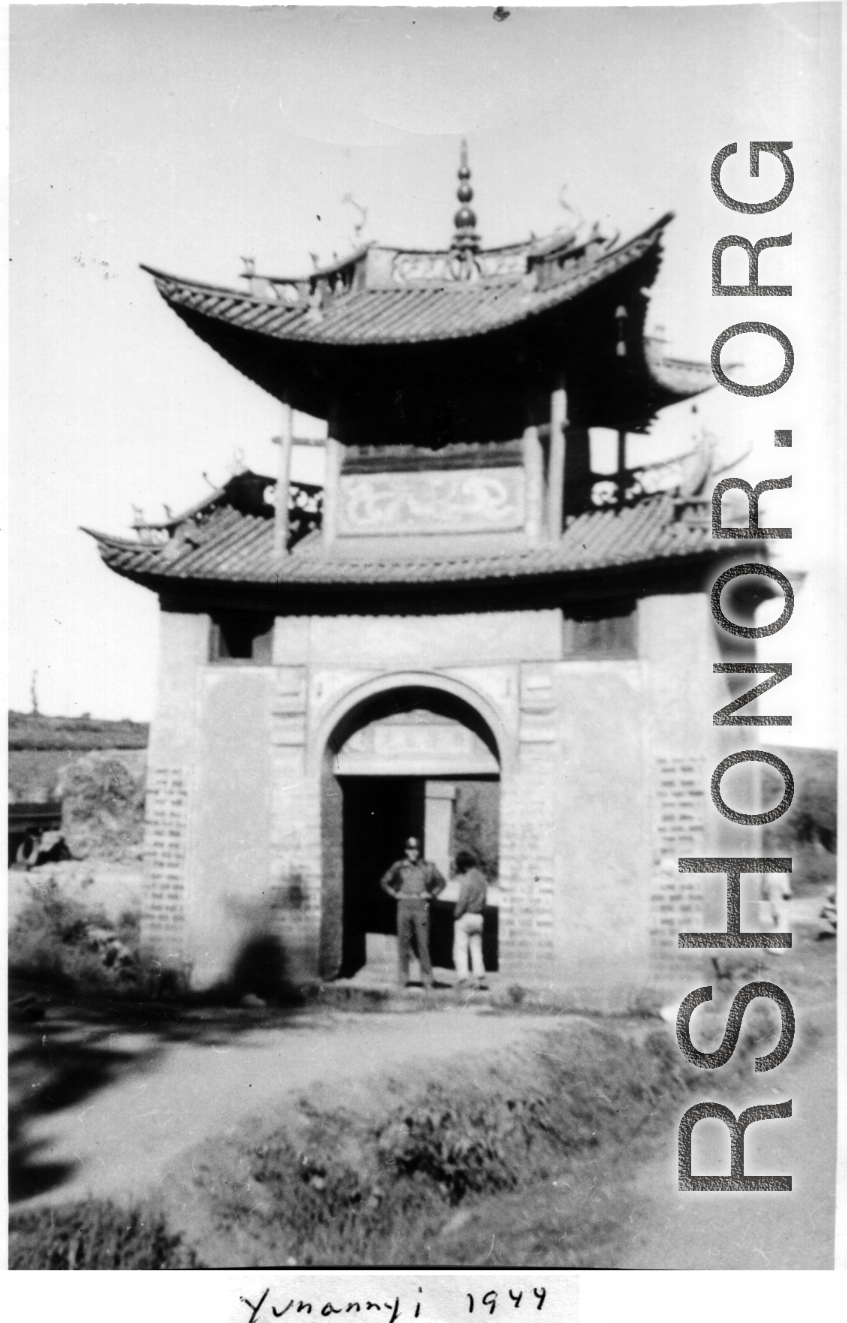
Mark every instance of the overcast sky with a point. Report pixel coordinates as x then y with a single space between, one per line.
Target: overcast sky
186 137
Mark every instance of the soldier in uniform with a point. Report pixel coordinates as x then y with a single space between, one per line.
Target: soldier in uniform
413 883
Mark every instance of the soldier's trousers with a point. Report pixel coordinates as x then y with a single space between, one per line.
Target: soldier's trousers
413 920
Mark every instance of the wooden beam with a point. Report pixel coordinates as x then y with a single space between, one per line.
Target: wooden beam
283 483
556 472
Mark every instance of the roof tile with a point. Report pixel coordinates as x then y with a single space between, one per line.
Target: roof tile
403 314
239 548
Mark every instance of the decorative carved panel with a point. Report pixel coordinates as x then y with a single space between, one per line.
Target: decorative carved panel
457 266
481 500
415 743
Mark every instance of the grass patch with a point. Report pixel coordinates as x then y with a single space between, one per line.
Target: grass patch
31 730
362 1186
95 1234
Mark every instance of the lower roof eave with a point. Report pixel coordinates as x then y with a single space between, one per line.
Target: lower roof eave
636 578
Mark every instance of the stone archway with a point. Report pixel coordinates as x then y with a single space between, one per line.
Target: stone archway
408 759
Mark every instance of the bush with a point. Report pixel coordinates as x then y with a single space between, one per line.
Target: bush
56 936
466 1149
95 1234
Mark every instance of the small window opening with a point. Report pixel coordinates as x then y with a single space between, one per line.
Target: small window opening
242 636
600 629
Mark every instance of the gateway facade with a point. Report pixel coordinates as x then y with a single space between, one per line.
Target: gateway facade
466 634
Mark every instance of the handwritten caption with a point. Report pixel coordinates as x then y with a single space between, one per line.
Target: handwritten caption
267 1309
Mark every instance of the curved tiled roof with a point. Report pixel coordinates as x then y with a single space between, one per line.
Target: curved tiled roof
546 309
231 547
415 312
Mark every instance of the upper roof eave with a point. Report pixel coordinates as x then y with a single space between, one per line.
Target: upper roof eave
110 539
353 319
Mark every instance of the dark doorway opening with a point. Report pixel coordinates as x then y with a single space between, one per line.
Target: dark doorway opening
379 814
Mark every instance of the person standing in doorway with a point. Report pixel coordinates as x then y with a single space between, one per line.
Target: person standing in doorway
468 919
414 884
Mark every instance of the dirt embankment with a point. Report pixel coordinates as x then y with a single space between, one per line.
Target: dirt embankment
338 1138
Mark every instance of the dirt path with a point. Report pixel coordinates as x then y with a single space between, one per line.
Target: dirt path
111 1103
795 1229
147 1101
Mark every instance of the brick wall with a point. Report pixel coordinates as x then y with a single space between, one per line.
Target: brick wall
680 807
678 641
528 818
163 914
526 937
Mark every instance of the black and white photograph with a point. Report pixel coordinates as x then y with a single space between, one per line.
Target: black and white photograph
424 505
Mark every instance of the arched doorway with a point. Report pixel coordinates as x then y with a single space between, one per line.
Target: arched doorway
412 760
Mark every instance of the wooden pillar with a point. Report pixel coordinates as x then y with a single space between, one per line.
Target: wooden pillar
556 476
283 482
533 465
332 481
621 466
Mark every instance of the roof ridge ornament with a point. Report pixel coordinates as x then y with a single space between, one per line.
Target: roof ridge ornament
465 240
361 223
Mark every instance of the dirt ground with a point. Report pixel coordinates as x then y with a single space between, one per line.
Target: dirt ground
111 1102
794 1229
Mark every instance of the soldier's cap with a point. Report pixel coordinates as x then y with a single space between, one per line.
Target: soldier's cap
412 842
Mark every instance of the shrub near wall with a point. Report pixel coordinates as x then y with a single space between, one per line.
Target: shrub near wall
59 938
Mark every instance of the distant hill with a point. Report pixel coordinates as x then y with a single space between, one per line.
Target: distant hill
29 732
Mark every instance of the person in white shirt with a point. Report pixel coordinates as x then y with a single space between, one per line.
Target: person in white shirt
468 919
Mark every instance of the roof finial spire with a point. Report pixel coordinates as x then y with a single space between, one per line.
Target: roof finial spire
465 218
